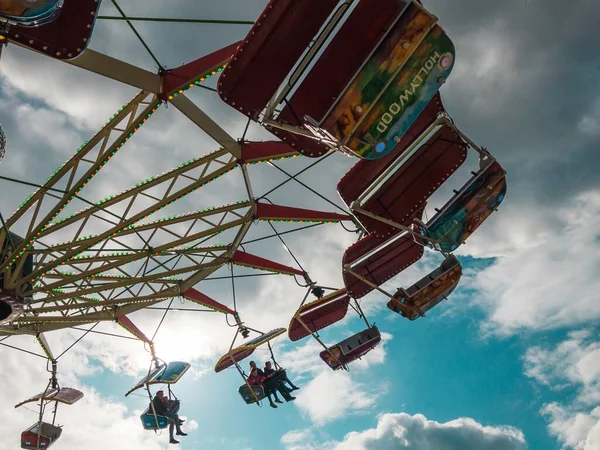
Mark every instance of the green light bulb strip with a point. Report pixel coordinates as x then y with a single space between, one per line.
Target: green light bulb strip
81 256
193 247
108 158
113 275
262 269
180 216
198 81
46 352
298 221
92 175
277 158
131 226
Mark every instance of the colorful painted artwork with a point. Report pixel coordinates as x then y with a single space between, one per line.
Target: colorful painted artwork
30 12
393 87
427 292
466 211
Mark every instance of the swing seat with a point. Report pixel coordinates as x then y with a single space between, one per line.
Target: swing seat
49 434
150 422
319 314
250 398
378 260
429 291
39 13
339 62
403 192
467 209
352 348
391 88
62 37
269 52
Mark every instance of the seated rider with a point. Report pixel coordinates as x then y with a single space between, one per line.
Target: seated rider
168 408
283 376
271 385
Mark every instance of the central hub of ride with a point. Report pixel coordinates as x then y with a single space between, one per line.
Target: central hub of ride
11 307
13 298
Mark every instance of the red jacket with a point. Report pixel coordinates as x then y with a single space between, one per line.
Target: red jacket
255 380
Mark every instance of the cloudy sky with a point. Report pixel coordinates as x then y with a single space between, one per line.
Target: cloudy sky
511 361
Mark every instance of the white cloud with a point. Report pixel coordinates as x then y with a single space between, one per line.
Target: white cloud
576 430
572 363
403 431
92 417
300 440
329 395
551 281
333 395
589 124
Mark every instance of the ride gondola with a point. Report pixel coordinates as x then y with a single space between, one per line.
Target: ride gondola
43 434
325 311
352 76
251 394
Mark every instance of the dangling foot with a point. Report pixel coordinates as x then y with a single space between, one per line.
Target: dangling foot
295 388
181 433
290 398
278 401
173 441
273 405
181 421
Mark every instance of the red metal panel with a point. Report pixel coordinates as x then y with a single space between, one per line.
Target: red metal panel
126 323
205 67
417 179
65 38
256 262
30 441
381 266
44 343
342 58
363 173
304 145
319 314
255 152
204 300
270 51
267 211
364 246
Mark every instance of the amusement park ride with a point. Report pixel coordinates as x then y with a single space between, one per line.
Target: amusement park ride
359 77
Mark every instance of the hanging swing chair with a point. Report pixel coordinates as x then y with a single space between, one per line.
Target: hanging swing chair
250 394
42 435
325 311
159 373
162 374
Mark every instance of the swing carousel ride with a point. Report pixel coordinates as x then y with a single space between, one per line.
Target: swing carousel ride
359 78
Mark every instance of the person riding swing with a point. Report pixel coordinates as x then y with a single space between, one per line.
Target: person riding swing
168 408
